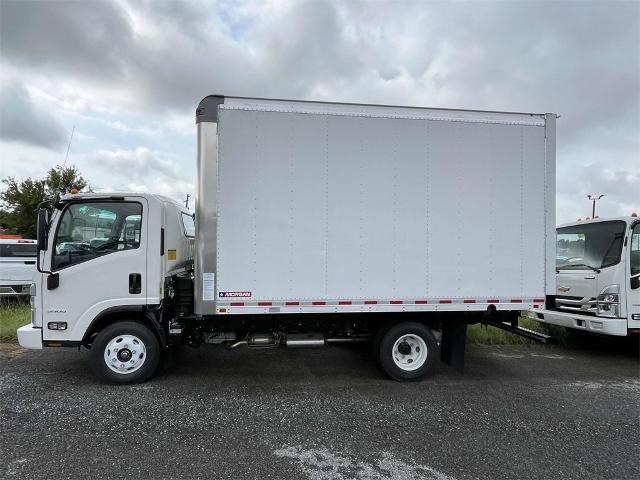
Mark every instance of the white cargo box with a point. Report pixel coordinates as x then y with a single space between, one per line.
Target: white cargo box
321 207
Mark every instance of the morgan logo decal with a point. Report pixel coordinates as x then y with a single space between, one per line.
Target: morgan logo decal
563 289
234 294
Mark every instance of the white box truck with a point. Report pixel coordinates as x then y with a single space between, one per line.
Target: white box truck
597 277
316 224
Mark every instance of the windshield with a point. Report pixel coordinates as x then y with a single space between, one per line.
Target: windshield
592 245
90 230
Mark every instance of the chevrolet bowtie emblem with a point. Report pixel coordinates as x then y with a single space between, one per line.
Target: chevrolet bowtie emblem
564 289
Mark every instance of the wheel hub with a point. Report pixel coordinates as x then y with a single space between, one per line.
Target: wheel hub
125 354
404 348
409 352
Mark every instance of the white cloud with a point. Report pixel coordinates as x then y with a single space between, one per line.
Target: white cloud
129 75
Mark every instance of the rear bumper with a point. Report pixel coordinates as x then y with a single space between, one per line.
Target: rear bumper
30 337
587 323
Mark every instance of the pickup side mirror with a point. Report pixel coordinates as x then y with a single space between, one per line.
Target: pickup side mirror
43 227
635 282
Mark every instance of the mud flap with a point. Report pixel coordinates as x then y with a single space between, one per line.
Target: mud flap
454 341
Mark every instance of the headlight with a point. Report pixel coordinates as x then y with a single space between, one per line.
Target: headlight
608 304
32 295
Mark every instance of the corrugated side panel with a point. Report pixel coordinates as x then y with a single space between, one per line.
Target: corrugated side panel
315 206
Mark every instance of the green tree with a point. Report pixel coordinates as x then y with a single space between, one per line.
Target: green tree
20 199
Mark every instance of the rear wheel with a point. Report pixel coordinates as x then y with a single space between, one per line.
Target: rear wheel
408 351
377 340
124 353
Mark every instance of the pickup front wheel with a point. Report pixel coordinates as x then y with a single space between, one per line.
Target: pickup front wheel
124 353
408 351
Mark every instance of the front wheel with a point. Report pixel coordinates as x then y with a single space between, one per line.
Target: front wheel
125 353
408 351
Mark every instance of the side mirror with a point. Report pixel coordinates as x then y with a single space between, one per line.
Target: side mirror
635 282
43 228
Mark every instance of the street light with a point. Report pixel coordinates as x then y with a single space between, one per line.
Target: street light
594 199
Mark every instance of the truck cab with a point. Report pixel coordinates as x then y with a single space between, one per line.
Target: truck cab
103 257
597 277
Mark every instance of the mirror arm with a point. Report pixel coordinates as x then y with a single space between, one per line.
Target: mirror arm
42 205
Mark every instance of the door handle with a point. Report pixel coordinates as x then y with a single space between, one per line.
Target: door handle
135 283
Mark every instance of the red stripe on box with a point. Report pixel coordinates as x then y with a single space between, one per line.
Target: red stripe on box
445 301
292 303
265 304
469 301
370 302
516 300
237 304
396 302
493 300
538 300
318 303
421 302
345 302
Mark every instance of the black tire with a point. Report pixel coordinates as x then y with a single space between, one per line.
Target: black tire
414 329
377 340
151 353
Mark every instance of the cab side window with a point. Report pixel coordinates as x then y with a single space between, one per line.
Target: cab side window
188 225
635 250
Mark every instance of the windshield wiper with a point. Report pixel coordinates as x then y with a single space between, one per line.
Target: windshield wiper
567 267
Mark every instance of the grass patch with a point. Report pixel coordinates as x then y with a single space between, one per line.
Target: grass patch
487 335
13 314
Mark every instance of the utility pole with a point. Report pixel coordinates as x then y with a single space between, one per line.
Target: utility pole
186 202
594 199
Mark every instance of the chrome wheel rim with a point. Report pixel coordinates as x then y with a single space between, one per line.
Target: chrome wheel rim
409 352
125 354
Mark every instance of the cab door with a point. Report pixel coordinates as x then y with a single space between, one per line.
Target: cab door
633 279
97 258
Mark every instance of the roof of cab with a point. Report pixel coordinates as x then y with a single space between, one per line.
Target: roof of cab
118 195
628 219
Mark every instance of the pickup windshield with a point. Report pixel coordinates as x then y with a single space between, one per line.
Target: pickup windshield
589 246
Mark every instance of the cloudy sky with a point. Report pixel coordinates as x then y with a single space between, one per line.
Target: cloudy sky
128 76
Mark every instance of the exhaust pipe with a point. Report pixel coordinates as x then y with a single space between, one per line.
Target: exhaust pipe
239 343
302 340
257 340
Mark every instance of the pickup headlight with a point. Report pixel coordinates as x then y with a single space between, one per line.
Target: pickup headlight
608 303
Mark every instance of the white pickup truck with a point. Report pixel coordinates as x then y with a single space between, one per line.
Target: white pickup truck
597 277
17 266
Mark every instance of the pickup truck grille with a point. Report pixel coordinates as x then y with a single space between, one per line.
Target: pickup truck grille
581 305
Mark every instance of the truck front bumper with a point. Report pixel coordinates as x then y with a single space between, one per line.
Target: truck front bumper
30 337
601 325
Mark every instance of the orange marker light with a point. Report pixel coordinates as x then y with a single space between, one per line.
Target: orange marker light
73 191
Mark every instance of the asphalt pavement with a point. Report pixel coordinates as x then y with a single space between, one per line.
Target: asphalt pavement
518 412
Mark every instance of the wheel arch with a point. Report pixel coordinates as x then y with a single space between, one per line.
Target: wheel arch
135 313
